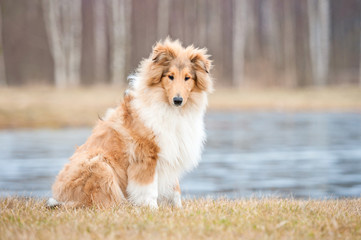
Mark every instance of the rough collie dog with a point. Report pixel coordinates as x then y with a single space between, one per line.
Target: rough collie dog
139 150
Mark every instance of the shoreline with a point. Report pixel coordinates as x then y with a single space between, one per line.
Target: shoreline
47 107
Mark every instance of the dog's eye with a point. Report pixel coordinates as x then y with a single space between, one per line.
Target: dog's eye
187 78
170 77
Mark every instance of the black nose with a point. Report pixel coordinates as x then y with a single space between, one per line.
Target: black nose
177 101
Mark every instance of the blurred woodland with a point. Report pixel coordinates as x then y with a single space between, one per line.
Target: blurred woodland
289 43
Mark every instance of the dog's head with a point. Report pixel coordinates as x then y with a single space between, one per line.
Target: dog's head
179 71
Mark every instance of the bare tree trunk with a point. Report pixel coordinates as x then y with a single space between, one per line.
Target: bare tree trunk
100 41
118 41
239 40
53 25
319 24
214 36
2 62
252 28
75 25
163 18
325 39
63 26
202 22
289 44
272 31
128 36
190 22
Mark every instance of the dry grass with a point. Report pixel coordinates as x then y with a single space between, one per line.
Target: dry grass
49 107
282 99
199 219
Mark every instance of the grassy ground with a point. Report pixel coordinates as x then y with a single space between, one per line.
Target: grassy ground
199 219
49 107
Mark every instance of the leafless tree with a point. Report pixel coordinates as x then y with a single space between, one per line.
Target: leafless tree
282 42
319 24
360 53
272 31
202 21
214 35
163 18
239 40
251 30
118 40
100 41
2 62
63 26
289 44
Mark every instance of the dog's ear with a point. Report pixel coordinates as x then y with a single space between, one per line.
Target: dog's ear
202 65
162 54
161 57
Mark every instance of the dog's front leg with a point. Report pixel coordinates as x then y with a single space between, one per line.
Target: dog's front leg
176 197
172 196
142 186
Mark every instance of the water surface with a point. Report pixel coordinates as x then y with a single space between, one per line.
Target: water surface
316 155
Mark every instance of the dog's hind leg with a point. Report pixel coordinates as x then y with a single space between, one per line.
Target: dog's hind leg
87 183
108 193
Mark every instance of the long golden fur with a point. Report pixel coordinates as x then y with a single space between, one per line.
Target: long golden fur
125 157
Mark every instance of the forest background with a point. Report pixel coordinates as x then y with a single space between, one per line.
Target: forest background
287 43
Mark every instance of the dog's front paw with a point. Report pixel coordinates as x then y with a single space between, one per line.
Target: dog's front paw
177 200
151 203
143 195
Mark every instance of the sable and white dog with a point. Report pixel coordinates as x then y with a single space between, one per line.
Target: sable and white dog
140 149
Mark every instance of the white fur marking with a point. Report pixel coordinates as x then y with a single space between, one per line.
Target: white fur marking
143 195
180 136
53 203
179 132
109 113
177 200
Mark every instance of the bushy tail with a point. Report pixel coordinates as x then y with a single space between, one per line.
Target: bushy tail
52 203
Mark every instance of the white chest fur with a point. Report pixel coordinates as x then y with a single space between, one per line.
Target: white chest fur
180 137
181 142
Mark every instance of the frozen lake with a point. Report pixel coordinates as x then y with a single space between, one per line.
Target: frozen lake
316 155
